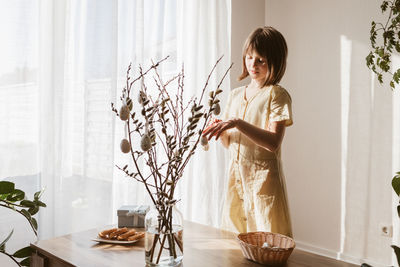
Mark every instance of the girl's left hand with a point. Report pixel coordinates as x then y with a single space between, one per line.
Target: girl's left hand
217 129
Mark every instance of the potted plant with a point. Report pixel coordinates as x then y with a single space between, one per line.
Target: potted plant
163 131
14 199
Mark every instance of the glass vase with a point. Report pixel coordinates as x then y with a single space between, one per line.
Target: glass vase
164 236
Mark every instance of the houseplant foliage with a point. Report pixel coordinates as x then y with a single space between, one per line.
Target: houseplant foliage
385 41
168 131
396 187
14 199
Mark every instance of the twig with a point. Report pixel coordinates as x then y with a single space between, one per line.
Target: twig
208 78
176 142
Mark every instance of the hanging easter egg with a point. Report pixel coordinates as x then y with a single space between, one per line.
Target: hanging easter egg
124 113
125 146
217 109
145 142
203 141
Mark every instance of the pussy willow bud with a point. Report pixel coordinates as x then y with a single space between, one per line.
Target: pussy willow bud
217 109
129 103
141 97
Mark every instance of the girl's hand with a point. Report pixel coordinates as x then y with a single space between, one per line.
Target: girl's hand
218 128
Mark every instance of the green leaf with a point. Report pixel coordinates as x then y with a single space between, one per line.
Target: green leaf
392 84
23 252
27 203
380 52
16 195
384 6
40 203
380 78
26 214
26 262
398 210
397 252
36 196
33 210
5 240
396 76
6 187
397 46
34 223
396 184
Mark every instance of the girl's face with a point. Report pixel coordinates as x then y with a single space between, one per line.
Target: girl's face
256 66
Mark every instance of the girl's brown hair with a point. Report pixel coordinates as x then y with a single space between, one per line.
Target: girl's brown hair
271 45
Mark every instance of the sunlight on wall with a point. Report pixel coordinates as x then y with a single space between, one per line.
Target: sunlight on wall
345 66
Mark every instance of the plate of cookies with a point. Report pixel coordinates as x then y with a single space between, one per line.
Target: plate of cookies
119 236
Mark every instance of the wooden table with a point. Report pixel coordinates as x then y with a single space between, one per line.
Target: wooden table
204 246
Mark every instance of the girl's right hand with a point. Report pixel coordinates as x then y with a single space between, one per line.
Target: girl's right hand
218 128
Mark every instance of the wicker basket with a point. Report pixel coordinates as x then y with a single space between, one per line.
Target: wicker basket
251 244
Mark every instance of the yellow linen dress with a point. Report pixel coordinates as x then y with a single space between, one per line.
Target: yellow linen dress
256 196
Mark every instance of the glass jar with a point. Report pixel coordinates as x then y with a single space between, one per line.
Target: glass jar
164 236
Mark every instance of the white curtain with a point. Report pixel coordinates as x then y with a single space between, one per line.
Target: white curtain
63 63
204 36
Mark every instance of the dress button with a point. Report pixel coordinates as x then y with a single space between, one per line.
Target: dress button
244 218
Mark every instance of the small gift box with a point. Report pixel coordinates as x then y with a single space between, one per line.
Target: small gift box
132 216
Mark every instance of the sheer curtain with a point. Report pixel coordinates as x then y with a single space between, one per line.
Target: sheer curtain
203 37
63 63
19 114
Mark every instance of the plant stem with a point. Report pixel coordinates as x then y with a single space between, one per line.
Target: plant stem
137 167
178 241
155 240
208 78
161 249
5 253
11 203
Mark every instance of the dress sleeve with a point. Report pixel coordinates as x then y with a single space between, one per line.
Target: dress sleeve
281 106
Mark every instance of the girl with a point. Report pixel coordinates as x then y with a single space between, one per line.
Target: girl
253 127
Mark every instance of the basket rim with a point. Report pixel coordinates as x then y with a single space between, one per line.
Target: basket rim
267 248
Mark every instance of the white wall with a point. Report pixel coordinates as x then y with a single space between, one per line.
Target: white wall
342 132
311 154
246 17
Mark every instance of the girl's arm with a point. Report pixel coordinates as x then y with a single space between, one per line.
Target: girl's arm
269 139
